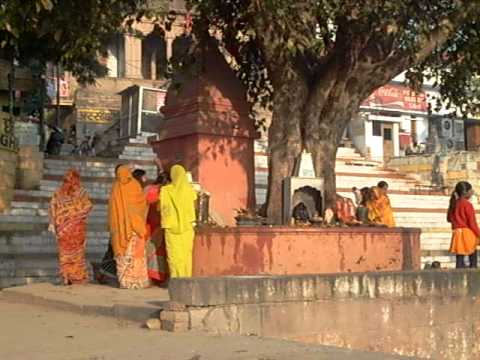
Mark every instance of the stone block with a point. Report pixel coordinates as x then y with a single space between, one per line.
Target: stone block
174 327
175 321
174 306
175 316
198 291
197 318
222 320
385 286
153 324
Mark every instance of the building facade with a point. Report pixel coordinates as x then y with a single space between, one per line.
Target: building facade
139 58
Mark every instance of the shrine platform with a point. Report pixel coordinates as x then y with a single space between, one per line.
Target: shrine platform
263 250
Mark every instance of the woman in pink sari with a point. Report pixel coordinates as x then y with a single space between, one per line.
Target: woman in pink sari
156 252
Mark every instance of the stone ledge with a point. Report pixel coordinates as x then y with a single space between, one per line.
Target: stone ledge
137 306
274 289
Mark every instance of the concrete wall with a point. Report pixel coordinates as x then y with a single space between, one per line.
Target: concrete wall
284 250
444 169
427 314
8 163
30 160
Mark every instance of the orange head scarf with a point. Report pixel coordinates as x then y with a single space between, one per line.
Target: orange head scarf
379 208
71 183
127 210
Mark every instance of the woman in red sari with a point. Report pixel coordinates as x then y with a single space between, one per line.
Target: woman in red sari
156 252
69 208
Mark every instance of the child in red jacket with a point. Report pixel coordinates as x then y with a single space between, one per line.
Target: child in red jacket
461 215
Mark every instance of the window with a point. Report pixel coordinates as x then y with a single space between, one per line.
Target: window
16 110
387 134
377 128
115 60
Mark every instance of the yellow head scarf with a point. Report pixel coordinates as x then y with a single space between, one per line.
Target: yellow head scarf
177 202
127 210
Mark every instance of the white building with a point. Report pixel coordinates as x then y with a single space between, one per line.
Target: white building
391 119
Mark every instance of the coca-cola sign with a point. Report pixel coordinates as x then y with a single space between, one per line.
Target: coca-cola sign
397 97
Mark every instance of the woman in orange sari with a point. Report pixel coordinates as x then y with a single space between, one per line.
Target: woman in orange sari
69 208
128 230
379 209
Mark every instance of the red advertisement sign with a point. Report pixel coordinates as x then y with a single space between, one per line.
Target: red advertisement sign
397 97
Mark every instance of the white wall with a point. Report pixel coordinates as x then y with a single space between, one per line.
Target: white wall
112 61
375 143
357 132
422 129
396 139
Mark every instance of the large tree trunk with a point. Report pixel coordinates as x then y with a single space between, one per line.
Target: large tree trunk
325 126
324 159
284 143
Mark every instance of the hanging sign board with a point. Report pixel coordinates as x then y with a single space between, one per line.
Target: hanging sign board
8 140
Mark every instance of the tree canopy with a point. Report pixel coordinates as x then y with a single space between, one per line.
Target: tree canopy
315 61
72 33
430 39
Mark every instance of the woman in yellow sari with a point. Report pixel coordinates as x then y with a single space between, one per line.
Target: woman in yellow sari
128 230
379 209
177 208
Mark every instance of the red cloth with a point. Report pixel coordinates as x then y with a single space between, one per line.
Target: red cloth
463 216
156 251
345 210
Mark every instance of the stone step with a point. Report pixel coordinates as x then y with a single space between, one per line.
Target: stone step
47 193
131 149
137 157
94 238
92 219
38 205
412 201
10 250
92 175
93 166
348 181
36 263
83 173
89 185
43 212
11 281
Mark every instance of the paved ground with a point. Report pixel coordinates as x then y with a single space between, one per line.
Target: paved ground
37 333
135 305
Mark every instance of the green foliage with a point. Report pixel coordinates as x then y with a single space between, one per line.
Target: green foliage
274 41
69 32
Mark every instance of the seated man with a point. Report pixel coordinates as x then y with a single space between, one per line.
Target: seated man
379 209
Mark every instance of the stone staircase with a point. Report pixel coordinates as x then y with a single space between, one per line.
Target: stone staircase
28 252
413 208
137 148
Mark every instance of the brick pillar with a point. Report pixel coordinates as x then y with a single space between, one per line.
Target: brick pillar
208 129
133 57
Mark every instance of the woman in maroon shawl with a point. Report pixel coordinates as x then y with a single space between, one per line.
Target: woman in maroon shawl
157 265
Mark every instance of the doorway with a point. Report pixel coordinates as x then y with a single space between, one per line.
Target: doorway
387 134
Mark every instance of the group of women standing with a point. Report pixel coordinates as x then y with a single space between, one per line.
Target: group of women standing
151 227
